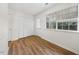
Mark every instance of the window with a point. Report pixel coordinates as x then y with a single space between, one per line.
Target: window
73 25
65 25
47 22
50 23
60 25
53 25
63 20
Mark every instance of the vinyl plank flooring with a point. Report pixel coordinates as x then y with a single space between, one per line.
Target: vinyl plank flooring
35 45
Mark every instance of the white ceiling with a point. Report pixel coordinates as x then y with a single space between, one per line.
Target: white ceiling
30 8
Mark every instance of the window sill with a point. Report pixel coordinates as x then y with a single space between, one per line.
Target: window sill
71 31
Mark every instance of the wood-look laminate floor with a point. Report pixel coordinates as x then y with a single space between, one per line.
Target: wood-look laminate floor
34 45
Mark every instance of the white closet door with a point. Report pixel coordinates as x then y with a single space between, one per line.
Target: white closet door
17 29
20 27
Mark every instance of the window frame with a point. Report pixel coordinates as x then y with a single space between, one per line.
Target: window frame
64 20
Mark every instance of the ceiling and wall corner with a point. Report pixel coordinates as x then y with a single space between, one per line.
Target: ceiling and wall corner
30 8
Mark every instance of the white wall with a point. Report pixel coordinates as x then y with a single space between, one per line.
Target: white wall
3 28
68 40
20 25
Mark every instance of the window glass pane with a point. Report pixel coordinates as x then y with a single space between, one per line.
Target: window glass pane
59 25
47 22
65 25
53 25
73 25
47 25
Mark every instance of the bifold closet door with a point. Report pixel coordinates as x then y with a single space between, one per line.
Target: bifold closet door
17 28
21 26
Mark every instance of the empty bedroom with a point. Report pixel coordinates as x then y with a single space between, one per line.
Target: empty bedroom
39 29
